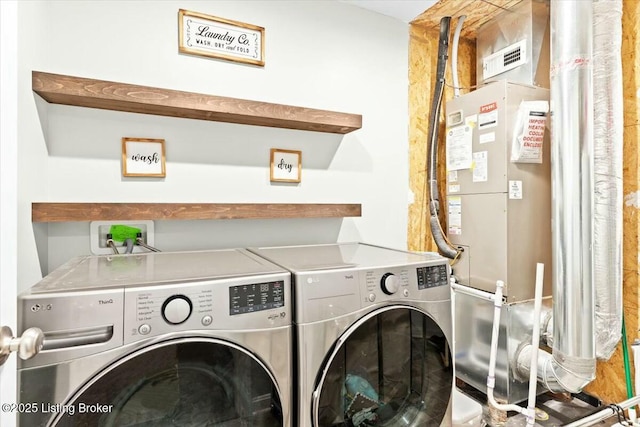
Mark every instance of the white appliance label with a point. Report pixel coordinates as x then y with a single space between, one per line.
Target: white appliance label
459 154
453 176
487 137
515 190
480 166
455 215
488 117
454 188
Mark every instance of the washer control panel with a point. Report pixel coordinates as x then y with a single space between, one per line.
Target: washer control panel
224 304
256 297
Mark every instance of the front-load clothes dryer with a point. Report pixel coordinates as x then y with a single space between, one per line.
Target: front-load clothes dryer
160 339
373 334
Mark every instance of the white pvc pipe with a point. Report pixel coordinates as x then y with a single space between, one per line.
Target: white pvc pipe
535 343
488 296
491 378
452 282
454 56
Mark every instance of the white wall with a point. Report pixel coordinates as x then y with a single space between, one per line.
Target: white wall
8 193
319 54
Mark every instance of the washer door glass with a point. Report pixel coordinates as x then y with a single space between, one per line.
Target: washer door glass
179 383
392 368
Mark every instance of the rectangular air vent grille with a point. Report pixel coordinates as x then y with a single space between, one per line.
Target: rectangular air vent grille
513 56
504 60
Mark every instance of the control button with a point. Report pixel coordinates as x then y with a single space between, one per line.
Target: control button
176 309
405 292
207 320
372 297
389 283
144 329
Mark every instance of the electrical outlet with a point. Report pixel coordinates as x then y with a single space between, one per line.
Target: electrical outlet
98 231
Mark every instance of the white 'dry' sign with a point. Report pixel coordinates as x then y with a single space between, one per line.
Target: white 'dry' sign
143 157
286 165
207 35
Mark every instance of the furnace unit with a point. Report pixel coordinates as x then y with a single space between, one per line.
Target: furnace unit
498 209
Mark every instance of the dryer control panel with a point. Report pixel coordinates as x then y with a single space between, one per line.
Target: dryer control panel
335 293
388 282
223 304
407 282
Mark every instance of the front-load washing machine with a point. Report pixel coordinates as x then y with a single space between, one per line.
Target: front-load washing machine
160 339
372 331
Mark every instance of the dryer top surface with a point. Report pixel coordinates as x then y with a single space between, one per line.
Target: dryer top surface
342 256
109 271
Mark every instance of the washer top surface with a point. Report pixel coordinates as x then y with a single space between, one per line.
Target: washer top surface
341 255
108 271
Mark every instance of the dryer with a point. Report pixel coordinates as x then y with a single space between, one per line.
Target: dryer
373 332
181 339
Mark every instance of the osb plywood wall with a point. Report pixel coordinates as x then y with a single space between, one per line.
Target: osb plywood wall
423 53
423 47
610 382
477 12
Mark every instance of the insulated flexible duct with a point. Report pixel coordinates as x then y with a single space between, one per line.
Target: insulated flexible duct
432 146
608 146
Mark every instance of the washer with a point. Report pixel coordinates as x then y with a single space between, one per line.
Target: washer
160 339
373 335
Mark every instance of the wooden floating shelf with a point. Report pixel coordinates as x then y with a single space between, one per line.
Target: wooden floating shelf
83 92
70 212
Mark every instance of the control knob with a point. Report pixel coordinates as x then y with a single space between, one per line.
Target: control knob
389 283
176 309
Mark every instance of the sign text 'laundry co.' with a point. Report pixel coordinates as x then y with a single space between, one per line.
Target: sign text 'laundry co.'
215 37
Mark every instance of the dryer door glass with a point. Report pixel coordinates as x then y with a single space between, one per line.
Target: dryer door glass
179 383
392 368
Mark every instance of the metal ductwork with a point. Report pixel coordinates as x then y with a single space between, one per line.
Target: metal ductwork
573 359
587 192
572 364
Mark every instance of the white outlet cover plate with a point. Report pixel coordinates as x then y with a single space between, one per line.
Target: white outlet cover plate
96 228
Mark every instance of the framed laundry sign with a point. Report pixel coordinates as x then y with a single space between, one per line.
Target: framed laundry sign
221 38
143 157
286 165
